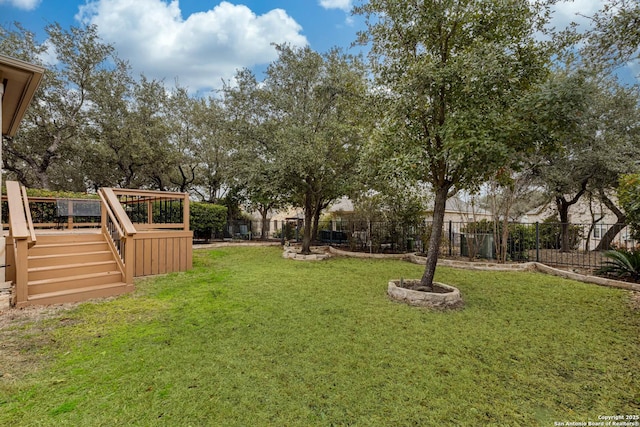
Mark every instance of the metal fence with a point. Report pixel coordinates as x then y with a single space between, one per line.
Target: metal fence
541 242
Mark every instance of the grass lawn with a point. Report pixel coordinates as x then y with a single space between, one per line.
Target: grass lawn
250 339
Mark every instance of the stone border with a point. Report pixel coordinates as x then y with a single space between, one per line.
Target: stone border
340 252
7 295
493 266
291 252
232 244
531 266
467 265
602 281
448 300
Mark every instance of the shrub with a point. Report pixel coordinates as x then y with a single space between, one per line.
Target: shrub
522 238
551 234
622 263
206 219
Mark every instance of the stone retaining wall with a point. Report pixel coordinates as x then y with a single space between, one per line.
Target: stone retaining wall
444 300
492 266
340 252
291 252
6 295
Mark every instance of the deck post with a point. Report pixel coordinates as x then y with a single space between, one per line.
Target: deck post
22 294
129 257
185 213
149 211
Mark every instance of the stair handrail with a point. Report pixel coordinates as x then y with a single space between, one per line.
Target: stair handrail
18 222
125 229
27 212
22 233
116 212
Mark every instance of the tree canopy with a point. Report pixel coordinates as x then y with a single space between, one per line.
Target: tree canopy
449 73
303 125
456 93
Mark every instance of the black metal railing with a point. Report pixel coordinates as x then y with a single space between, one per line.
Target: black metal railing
568 245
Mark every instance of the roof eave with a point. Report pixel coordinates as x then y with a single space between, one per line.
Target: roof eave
21 80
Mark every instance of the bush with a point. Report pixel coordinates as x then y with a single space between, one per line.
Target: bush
622 264
551 234
522 238
206 219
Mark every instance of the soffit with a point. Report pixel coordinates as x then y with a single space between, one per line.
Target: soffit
21 79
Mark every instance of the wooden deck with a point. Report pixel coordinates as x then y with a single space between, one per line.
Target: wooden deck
52 262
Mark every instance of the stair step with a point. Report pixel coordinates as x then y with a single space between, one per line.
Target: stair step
68 237
41 249
51 272
79 294
36 261
73 282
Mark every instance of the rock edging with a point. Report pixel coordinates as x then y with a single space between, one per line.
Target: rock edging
530 266
291 252
436 300
340 252
494 266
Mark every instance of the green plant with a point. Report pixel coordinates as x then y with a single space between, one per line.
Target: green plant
551 234
622 263
522 238
206 219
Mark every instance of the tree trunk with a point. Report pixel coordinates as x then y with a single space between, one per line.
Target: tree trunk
563 212
264 211
621 223
316 221
308 219
436 236
504 238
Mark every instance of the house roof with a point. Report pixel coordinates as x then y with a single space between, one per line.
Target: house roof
21 79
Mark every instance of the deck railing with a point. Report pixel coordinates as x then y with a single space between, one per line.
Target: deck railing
155 210
60 214
147 231
120 232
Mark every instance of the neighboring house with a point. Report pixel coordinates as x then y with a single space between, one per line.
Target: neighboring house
591 215
458 210
583 212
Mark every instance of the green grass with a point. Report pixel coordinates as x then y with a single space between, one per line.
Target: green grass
250 339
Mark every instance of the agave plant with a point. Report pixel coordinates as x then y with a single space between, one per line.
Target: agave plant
622 263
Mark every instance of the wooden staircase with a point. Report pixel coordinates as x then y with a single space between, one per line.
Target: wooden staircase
68 267
50 265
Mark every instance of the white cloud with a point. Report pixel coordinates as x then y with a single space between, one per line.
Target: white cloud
577 11
634 69
202 49
50 56
337 4
22 4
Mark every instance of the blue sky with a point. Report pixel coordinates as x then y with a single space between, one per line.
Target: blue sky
200 43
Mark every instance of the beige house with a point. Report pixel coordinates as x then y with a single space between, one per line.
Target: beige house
594 218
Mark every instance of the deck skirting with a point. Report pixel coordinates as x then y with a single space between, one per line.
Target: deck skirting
160 252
